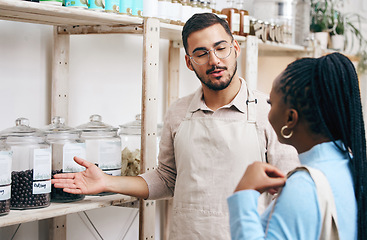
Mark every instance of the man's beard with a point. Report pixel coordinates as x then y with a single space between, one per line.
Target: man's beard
222 85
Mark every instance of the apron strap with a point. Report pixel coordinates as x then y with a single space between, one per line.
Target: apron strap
329 230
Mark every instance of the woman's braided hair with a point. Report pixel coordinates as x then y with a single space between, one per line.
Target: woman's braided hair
325 92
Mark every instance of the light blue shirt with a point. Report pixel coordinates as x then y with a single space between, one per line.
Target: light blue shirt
296 214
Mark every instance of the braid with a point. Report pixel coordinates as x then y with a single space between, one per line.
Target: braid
325 92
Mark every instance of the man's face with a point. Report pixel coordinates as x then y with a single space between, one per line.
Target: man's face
217 73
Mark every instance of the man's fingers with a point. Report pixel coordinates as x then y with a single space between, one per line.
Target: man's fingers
83 162
64 176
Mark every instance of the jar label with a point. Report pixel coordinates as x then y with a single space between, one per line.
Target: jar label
186 13
163 9
42 164
41 187
109 155
236 22
5 192
113 172
5 167
246 24
69 151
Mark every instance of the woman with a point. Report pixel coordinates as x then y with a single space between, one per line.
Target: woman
315 107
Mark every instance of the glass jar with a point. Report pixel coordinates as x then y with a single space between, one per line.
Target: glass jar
5 177
103 145
31 175
66 143
130 134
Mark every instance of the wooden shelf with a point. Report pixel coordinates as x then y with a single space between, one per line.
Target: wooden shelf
33 12
60 209
92 22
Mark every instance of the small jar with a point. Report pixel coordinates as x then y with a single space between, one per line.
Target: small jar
103 145
66 143
130 134
5 177
31 175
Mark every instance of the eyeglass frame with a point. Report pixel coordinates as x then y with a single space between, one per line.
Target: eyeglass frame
213 49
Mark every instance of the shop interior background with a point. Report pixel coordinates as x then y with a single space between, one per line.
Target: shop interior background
105 79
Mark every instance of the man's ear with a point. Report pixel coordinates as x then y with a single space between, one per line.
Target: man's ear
188 62
236 47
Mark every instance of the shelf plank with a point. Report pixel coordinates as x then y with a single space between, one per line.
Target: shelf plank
60 209
34 12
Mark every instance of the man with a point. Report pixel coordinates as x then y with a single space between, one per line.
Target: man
208 140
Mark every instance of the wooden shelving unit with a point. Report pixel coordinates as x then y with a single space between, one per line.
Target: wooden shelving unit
73 21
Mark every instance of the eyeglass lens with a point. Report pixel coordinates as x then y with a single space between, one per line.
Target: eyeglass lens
222 51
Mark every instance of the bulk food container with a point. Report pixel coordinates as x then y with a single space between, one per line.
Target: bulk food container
31 176
5 176
66 143
103 145
130 134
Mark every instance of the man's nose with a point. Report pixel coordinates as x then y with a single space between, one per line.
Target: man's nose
213 59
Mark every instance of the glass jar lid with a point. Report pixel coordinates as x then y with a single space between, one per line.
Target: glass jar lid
58 126
134 128
22 129
96 125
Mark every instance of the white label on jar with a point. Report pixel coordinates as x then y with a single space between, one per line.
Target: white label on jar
113 172
5 167
42 164
70 150
41 187
175 11
246 24
235 22
163 9
186 13
109 155
5 192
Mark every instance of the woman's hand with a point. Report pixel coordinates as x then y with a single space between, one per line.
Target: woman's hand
91 181
261 177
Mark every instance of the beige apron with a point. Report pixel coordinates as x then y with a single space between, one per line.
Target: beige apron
211 157
329 229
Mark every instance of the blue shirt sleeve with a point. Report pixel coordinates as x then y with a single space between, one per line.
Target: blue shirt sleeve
296 214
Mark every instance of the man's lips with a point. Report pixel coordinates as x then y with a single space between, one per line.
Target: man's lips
216 73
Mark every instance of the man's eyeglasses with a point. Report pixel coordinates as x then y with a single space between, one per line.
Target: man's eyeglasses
222 51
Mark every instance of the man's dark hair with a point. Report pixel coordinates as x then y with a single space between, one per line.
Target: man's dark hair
201 21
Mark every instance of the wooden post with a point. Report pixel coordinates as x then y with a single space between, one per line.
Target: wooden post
251 61
60 75
172 95
149 120
59 107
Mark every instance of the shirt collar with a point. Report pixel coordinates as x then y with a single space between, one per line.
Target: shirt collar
320 152
239 102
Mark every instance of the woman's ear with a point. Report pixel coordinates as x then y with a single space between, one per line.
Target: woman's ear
292 118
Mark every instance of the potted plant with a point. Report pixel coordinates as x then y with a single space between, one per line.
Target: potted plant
320 21
342 28
349 25
337 32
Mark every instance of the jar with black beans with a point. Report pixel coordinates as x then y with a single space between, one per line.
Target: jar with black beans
31 166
